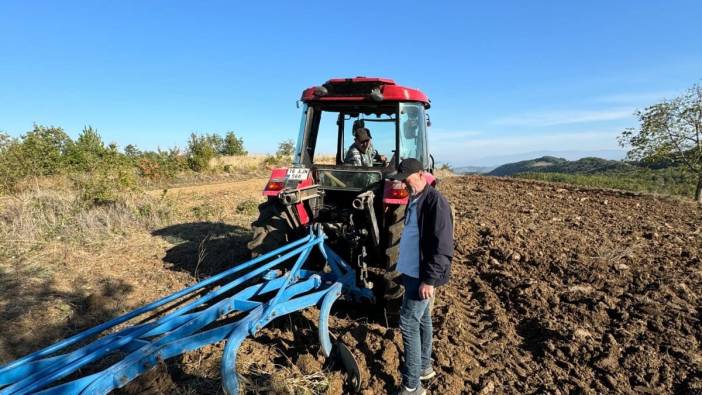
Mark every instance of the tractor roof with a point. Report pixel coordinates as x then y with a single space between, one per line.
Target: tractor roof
362 89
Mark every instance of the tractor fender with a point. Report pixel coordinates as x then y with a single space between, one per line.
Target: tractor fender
278 181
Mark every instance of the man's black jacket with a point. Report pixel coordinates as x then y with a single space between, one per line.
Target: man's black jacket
435 237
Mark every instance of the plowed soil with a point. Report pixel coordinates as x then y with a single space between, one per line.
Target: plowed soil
564 290
554 289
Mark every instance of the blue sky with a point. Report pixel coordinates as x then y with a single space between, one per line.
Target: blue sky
504 77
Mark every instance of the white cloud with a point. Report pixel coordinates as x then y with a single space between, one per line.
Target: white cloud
551 118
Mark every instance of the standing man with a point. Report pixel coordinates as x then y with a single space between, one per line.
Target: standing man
426 250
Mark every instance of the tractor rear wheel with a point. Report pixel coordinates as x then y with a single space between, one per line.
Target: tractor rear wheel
270 230
394 221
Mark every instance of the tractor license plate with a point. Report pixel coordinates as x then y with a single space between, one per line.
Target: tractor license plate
297 174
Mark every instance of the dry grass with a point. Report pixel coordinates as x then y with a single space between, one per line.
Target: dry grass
325 159
444 173
238 163
285 381
38 216
67 264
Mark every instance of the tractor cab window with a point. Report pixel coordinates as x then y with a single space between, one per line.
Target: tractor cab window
413 132
381 130
327 137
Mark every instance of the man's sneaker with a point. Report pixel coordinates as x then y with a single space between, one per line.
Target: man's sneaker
417 391
427 374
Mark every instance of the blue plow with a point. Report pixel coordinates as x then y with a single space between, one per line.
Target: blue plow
255 292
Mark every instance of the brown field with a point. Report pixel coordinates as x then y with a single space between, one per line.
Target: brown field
555 289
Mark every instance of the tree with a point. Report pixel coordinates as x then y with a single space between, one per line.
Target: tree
201 150
670 131
132 151
215 141
5 141
286 148
233 145
42 151
10 170
87 150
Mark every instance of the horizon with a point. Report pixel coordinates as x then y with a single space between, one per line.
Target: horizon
504 80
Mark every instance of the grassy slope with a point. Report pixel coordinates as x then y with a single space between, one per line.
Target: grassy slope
602 173
669 181
551 164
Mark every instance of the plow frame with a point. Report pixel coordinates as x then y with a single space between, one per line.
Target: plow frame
188 327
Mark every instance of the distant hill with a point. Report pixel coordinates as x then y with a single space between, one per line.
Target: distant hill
473 169
500 159
552 164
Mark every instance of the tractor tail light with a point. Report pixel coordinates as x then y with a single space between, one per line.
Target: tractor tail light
275 186
399 193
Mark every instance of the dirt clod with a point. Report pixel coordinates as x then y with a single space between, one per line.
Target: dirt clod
308 364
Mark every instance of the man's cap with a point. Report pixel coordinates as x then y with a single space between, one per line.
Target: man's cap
362 134
408 167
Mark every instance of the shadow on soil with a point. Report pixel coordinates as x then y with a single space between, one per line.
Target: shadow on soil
78 311
205 248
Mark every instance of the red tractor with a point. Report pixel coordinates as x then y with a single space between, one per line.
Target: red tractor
359 207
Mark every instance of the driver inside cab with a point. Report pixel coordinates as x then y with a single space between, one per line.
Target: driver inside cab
361 152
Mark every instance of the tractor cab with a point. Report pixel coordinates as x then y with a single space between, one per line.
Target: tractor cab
394 118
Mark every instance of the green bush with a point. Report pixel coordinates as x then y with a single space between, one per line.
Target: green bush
272 161
248 207
40 152
87 151
158 165
5 142
283 155
232 145
43 150
207 212
10 171
201 150
113 175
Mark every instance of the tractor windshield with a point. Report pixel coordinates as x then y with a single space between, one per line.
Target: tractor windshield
329 134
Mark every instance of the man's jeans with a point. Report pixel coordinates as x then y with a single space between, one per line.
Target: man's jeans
415 325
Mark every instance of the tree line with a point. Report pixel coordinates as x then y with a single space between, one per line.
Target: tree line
49 150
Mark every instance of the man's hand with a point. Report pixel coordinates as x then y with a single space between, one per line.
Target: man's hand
383 158
426 291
